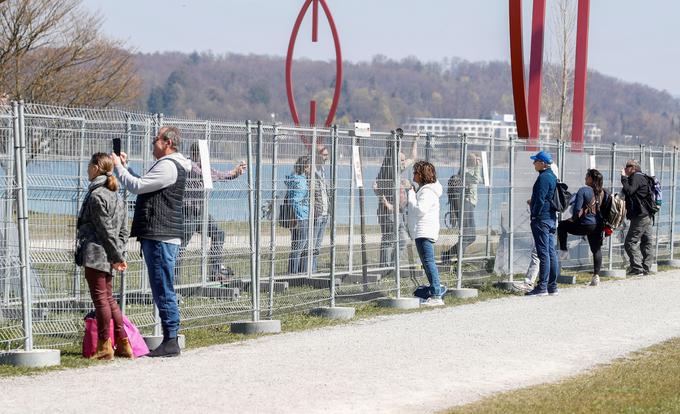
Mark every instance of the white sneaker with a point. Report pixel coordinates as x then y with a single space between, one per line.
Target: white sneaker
595 280
433 302
525 286
564 255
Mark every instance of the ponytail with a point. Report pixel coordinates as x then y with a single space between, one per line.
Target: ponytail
111 182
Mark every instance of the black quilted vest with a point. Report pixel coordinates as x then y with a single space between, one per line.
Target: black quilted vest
159 213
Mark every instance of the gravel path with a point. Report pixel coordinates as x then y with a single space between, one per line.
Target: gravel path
404 363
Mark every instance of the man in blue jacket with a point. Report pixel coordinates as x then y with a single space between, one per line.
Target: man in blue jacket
543 225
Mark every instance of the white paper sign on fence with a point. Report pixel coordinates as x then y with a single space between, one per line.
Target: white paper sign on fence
651 166
357 167
204 154
592 162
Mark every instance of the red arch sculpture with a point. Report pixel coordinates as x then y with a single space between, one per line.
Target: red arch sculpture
289 61
528 118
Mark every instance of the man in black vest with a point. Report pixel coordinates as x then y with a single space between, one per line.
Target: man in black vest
158 224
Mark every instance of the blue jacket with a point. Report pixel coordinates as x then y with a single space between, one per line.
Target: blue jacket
298 193
542 194
583 197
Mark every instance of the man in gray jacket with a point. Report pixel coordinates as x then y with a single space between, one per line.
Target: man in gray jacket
158 224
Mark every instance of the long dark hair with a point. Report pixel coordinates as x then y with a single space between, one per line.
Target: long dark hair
596 183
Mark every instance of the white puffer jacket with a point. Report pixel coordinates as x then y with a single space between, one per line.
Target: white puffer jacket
423 211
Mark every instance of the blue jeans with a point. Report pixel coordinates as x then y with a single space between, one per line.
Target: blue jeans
160 261
319 229
297 260
425 249
544 240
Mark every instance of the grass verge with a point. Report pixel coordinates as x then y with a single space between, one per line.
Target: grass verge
646 381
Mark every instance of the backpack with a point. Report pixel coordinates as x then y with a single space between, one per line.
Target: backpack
454 193
613 211
653 202
286 216
561 197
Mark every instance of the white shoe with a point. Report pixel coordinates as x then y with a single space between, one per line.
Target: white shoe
433 302
564 254
595 280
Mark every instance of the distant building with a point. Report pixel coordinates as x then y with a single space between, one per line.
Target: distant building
499 126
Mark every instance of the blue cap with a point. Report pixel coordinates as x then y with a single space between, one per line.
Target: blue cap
542 156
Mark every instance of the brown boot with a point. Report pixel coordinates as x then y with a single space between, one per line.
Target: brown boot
123 348
104 350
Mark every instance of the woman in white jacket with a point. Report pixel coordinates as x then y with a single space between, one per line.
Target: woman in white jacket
423 217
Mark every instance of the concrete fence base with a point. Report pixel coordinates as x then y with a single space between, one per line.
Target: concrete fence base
37 358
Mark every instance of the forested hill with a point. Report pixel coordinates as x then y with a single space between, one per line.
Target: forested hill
384 92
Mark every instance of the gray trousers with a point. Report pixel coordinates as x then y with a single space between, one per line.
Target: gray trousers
639 244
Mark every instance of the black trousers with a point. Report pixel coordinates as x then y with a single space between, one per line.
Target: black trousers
592 231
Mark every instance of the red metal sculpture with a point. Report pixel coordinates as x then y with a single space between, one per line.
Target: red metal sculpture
528 120
338 61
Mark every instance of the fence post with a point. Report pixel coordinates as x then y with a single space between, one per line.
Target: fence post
22 221
661 178
122 300
612 168
204 220
334 193
81 151
157 329
511 204
428 146
350 236
255 325
274 220
673 192
461 214
251 220
396 207
489 197
312 205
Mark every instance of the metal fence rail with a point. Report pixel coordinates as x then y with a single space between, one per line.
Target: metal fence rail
236 262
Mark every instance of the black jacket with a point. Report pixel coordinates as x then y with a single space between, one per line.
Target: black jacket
635 189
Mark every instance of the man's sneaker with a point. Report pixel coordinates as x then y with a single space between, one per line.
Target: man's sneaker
443 289
536 292
433 302
632 272
564 255
554 293
167 348
595 280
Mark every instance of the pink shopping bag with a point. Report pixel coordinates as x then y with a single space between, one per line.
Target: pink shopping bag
135 338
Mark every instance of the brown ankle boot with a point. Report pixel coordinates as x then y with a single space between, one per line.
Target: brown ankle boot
123 348
104 350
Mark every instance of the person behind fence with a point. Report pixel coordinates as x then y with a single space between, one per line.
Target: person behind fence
297 196
158 224
321 203
423 216
639 243
193 212
543 225
101 242
383 187
585 221
473 177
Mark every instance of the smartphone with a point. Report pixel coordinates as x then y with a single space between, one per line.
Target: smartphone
116 146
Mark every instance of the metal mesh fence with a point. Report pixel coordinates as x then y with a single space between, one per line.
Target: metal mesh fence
265 239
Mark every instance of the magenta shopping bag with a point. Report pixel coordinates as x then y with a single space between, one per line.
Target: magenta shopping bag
135 338
91 336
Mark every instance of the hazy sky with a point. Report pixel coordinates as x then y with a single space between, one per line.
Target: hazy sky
635 40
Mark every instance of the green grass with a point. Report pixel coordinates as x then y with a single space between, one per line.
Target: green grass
647 381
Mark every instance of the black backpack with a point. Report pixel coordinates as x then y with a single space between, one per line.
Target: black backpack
561 197
286 216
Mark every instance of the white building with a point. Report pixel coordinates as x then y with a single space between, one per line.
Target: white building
499 126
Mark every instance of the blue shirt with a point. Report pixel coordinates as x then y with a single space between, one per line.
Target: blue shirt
298 193
542 195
